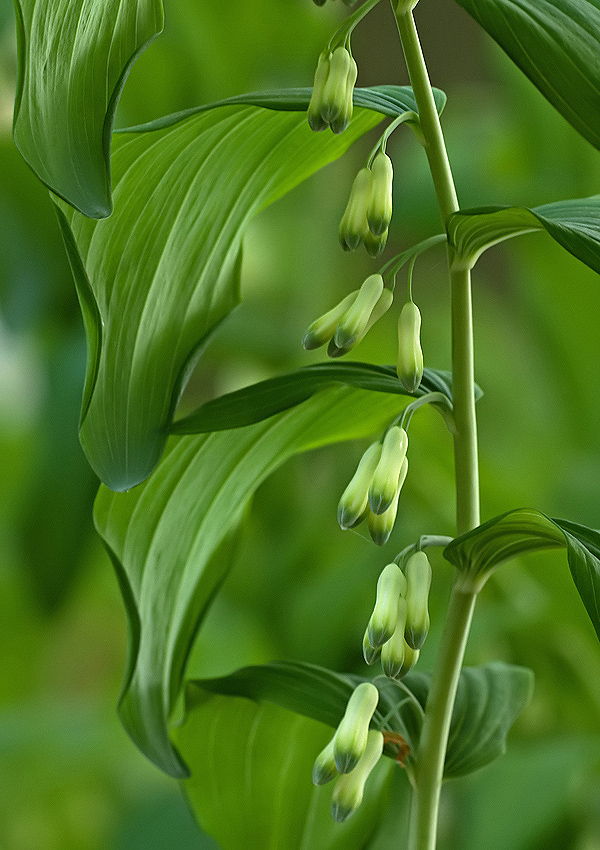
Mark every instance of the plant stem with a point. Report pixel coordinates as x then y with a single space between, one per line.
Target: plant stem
433 741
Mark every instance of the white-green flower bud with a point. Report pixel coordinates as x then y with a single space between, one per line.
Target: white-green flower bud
339 124
335 91
393 650
382 306
410 356
418 582
381 525
384 619
370 653
379 213
375 244
350 738
384 485
353 324
324 768
323 328
355 498
349 789
353 226
315 120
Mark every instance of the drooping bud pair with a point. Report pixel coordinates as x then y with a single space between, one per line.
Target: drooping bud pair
375 487
331 101
400 620
353 751
346 324
369 209
410 355
385 632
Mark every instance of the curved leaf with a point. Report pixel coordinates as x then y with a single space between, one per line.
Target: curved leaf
556 43
481 550
251 782
74 57
574 224
165 538
266 398
488 701
164 269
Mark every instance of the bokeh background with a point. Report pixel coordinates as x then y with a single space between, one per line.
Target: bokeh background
300 588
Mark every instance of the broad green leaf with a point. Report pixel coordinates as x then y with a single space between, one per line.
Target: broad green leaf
264 399
481 550
488 701
251 786
165 538
574 224
158 276
556 43
74 57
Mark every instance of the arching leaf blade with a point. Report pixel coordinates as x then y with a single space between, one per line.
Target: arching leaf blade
574 224
165 536
74 57
266 398
556 43
168 260
250 785
488 700
478 552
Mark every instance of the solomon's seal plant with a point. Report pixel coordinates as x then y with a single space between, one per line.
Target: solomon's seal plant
153 218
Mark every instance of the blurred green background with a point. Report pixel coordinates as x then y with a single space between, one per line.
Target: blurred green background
301 588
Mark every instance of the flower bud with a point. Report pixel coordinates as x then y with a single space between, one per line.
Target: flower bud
387 473
381 525
334 102
369 652
350 738
397 657
355 498
410 356
418 582
348 792
375 244
324 768
353 324
379 212
393 650
353 226
315 120
323 328
384 619
339 124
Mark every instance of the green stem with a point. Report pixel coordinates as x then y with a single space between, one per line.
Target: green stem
433 742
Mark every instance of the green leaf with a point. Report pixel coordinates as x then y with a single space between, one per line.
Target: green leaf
266 398
158 276
481 550
556 43
251 782
488 701
74 57
165 538
574 224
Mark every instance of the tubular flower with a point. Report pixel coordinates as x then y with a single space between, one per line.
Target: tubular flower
418 582
410 356
354 503
387 474
384 619
350 738
348 792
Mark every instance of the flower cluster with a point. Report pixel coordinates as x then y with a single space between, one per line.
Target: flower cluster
400 620
333 88
347 323
369 209
374 490
352 753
